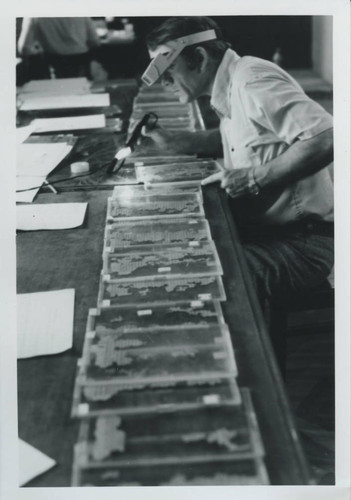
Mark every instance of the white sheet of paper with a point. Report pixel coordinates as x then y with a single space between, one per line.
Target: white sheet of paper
50 216
57 86
66 102
40 159
44 322
23 133
32 462
25 182
69 123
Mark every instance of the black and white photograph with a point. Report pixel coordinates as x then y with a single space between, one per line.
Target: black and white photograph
176 250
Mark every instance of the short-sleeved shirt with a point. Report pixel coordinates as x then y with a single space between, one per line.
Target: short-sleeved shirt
65 35
262 112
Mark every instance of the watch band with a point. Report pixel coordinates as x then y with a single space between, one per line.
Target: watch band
253 186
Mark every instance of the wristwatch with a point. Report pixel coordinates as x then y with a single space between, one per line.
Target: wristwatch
253 187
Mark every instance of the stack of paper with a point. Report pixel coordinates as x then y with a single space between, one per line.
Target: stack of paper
27 187
34 162
32 462
22 133
59 86
68 123
50 216
65 101
45 322
38 160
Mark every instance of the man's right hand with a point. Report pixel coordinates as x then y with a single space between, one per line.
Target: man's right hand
162 138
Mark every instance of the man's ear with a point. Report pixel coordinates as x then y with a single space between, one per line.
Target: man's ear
201 58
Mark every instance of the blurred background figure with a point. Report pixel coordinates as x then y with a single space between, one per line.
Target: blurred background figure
66 44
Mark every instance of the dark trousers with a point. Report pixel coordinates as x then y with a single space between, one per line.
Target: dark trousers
286 261
69 66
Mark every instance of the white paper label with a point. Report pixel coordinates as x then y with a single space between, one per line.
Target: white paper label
219 355
108 249
196 303
83 409
144 312
80 362
192 221
194 243
164 269
211 399
106 277
106 303
94 312
205 296
90 335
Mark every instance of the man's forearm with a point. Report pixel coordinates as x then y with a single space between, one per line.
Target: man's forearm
302 159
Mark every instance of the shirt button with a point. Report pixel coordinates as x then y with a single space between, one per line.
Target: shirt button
232 149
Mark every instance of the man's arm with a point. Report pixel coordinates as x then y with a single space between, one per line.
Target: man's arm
28 42
301 160
206 142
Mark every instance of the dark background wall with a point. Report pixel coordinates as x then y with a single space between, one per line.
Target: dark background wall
258 35
249 35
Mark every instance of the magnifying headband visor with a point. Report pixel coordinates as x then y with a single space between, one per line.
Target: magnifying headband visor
166 54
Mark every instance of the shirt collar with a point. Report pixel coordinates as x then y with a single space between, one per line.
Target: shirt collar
220 97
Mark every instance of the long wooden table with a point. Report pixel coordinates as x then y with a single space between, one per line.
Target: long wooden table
51 260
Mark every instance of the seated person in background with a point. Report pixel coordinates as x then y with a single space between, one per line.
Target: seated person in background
66 42
276 142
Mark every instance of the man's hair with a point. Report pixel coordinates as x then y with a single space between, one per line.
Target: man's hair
176 27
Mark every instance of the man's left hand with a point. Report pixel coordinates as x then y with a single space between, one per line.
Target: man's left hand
235 182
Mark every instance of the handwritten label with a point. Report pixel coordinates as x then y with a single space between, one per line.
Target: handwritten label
144 312
196 303
205 296
219 355
83 409
164 269
211 399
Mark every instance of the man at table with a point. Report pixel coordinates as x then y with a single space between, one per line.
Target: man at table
276 145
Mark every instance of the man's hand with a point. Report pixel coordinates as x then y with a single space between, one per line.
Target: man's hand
235 182
163 139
